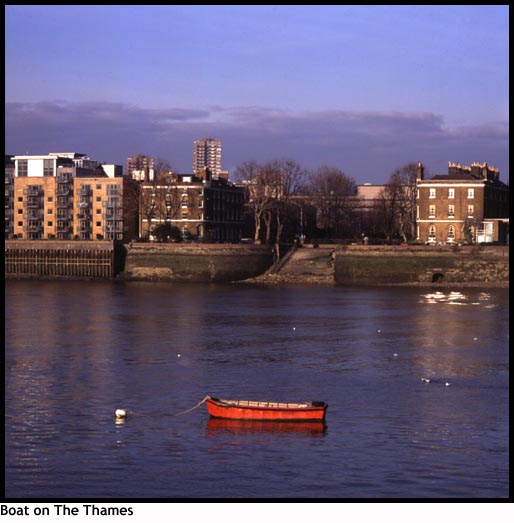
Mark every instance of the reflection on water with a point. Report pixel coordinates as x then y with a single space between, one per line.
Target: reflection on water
457 298
77 351
312 428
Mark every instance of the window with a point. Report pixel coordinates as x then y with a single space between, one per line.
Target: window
50 224
23 167
431 211
471 193
98 186
20 211
98 198
50 199
451 193
48 167
471 210
431 232
451 211
451 232
50 211
98 224
431 193
99 211
20 198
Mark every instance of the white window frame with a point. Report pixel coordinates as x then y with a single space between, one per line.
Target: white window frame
451 233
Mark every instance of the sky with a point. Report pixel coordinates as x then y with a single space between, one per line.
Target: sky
365 89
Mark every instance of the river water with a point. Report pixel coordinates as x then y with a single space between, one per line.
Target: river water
77 351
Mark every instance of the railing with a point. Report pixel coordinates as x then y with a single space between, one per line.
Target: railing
275 268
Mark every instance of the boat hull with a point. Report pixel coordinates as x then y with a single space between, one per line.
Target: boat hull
265 411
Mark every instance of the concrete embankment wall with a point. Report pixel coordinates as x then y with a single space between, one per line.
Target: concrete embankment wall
136 261
352 265
195 262
372 265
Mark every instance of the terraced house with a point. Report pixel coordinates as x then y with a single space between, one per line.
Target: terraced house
201 207
468 205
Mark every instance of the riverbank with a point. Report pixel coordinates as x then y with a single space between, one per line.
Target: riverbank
277 279
469 266
414 265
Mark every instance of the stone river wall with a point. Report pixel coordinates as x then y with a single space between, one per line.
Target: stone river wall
344 265
372 265
195 262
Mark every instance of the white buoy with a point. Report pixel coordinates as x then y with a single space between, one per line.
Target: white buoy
425 380
447 384
120 413
395 354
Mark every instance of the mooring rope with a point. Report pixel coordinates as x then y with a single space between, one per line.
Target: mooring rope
195 407
121 414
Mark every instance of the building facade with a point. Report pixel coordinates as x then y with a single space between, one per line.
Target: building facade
207 155
140 167
468 205
65 196
9 197
203 209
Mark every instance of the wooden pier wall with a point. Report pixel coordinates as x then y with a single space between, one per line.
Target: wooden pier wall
53 259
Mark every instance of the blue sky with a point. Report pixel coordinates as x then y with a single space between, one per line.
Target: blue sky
366 89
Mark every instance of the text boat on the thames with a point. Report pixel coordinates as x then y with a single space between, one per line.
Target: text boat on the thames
266 410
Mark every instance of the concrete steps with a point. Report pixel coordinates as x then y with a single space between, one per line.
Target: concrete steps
308 263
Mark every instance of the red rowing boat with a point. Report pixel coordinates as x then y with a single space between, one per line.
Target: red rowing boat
266 410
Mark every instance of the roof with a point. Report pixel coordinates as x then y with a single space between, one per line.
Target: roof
460 176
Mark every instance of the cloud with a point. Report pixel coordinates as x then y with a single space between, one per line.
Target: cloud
366 145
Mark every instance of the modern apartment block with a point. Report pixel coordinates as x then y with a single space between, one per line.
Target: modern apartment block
140 167
203 208
65 196
469 204
207 155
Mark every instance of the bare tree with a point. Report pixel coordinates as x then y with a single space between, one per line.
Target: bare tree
157 197
333 194
400 198
284 178
259 195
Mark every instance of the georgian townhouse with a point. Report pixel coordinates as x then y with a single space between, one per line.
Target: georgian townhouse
468 205
202 207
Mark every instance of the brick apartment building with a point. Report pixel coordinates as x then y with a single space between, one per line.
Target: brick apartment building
202 207
468 205
65 196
